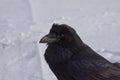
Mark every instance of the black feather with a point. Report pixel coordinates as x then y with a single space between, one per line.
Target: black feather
71 59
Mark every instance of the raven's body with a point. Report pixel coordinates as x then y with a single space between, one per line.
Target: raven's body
73 60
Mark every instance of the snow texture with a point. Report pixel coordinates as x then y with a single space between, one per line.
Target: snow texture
24 22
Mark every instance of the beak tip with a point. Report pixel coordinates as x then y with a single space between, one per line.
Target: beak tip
41 41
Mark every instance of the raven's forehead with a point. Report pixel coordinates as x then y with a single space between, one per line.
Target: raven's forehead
62 28
59 28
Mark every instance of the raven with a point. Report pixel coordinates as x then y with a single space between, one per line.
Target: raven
71 59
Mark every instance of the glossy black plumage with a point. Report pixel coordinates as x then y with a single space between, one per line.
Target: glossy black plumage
71 59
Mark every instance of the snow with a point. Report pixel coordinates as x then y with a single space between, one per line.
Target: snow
19 56
24 22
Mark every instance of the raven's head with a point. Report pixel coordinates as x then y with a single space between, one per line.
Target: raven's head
61 34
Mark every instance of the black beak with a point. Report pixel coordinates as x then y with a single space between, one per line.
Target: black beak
50 38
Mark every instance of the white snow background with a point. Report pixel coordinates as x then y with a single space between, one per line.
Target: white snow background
24 22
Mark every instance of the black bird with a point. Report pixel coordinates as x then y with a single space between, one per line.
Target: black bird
71 59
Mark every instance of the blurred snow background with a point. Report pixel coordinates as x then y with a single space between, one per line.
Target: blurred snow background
24 22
